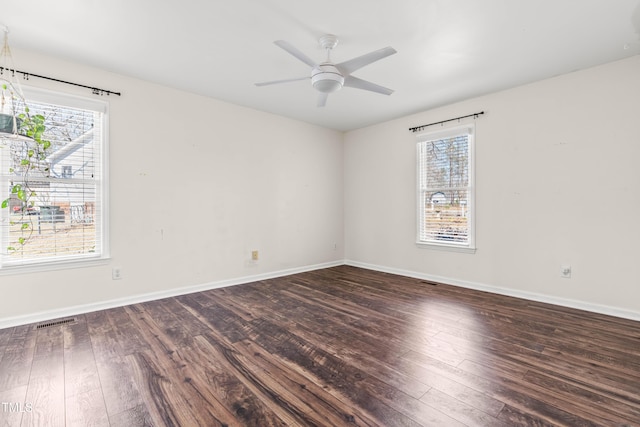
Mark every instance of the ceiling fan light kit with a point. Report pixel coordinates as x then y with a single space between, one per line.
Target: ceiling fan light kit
327 77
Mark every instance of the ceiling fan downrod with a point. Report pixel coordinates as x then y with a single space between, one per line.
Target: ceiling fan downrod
326 78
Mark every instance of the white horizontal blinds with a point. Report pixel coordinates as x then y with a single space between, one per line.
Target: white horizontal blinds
444 188
62 220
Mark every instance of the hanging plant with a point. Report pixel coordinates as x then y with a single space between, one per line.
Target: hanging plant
22 134
28 152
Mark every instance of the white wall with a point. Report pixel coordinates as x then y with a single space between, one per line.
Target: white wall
196 184
558 182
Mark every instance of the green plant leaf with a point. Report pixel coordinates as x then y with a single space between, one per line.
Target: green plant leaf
24 226
11 249
22 195
30 153
24 162
5 203
21 240
16 188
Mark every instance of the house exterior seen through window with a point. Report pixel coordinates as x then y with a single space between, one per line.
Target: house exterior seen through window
65 217
445 188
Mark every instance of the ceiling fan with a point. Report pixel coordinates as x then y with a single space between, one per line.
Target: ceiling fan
327 77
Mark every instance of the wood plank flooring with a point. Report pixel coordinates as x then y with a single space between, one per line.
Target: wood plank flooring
336 347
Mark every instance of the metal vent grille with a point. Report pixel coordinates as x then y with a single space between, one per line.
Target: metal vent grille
55 323
426 282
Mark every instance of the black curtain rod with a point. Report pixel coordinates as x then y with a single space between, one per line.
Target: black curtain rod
419 128
94 90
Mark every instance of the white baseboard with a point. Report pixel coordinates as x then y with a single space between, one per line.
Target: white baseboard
87 308
564 302
135 299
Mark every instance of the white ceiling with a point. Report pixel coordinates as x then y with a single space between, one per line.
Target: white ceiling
448 50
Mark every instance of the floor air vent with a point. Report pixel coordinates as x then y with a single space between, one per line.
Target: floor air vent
55 323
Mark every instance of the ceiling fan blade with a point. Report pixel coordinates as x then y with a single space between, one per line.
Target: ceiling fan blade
357 83
322 99
275 82
348 67
295 52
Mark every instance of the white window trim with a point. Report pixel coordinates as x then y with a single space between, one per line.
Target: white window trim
54 97
470 247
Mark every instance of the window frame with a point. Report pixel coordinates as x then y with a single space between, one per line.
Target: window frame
470 245
102 256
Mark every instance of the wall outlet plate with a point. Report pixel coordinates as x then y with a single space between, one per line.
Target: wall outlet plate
565 271
254 256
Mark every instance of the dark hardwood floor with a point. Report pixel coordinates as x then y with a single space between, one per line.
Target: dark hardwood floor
340 346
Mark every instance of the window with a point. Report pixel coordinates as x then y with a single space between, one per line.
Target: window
445 188
66 171
65 218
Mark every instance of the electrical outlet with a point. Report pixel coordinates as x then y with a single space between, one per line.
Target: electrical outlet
116 273
254 256
565 271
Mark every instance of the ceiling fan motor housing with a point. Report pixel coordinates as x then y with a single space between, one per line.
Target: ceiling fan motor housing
326 78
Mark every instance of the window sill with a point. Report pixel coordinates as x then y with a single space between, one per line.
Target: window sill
51 266
447 248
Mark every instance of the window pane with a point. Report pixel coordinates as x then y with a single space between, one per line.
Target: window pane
61 224
447 162
446 216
